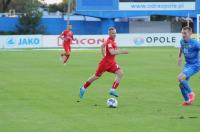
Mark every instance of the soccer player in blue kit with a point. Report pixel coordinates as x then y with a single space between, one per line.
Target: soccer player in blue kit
190 49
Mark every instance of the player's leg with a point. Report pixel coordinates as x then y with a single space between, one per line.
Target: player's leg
67 54
90 81
183 78
62 54
66 58
191 94
100 70
87 84
119 74
183 89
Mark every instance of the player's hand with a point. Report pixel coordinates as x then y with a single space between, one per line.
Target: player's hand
124 52
179 61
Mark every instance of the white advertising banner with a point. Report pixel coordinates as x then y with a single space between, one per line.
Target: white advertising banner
89 41
1 42
149 39
147 6
23 41
79 41
130 40
50 41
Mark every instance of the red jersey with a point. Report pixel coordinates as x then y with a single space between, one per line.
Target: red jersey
108 62
110 44
67 34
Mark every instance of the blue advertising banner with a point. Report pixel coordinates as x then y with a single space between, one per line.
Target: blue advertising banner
96 5
144 5
135 5
131 8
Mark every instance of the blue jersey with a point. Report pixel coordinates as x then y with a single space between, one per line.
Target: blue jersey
190 50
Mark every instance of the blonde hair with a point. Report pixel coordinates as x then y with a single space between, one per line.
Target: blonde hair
111 28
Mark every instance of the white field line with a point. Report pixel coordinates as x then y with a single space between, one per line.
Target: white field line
20 50
63 49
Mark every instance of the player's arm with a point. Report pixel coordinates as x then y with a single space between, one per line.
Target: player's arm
180 57
180 53
61 37
103 49
117 51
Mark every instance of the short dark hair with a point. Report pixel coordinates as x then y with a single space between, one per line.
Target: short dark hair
187 28
111 28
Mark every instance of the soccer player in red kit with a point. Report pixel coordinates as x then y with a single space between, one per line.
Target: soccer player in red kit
109 50
67 37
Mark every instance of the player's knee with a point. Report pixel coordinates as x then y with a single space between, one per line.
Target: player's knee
96 77
181 78
120 74
93 78
67 53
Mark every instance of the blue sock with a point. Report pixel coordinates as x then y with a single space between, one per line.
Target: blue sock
186 86
184 92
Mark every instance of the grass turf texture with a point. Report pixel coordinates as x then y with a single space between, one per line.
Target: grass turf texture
39 94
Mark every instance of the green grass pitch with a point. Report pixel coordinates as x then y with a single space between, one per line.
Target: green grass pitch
39 94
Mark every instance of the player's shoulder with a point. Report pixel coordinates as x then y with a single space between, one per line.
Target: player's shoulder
107 41
194 41
64 32
110 40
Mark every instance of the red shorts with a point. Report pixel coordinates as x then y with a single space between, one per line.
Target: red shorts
103 67
67 48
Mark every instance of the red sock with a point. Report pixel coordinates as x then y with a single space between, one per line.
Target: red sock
115 85
86 85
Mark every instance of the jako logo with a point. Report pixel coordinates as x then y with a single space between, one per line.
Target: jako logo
29 41
11 41
138 41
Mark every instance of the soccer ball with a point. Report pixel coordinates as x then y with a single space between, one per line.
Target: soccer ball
112 102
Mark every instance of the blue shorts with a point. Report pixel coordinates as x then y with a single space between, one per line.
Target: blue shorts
191 69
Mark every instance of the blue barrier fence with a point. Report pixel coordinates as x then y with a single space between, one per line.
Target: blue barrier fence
55 26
